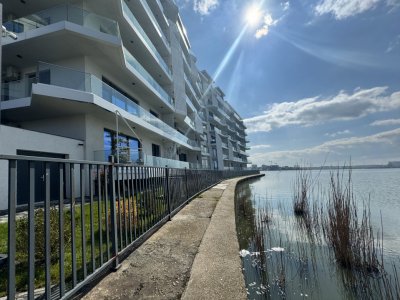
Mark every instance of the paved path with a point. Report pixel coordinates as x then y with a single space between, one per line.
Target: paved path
195 256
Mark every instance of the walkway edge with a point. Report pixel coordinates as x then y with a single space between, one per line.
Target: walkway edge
217 268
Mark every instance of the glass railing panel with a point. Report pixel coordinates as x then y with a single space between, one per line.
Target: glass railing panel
16 89
142 71
74 79
136 25
63 77
60 13
152 17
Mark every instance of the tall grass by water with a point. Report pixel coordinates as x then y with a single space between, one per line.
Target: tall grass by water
325 230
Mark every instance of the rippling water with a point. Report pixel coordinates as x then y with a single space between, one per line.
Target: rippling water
309 271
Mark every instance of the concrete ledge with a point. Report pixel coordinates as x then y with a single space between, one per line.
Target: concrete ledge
217 269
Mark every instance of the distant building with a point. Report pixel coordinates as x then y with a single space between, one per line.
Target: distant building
394 164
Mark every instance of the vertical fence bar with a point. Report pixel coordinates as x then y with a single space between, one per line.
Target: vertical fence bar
12 202
143 200
136 199
151 195
108 198
83 222
125 227
130 208
167 192
114 234
73 234
61 229
99 214
158 184
118 211
145 204
31 234
186 185
47 231
91 218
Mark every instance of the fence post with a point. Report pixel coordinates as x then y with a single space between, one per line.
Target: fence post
186 184
167 192
114 235
12 203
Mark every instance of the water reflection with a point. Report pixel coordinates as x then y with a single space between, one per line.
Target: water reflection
305 268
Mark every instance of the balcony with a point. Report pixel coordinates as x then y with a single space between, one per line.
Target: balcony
60 13
191 89
126 155
155 23
140 31
77 80
189 122
142 73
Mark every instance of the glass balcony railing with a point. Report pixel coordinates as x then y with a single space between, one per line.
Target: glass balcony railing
16 89
147 77
155 161
74 79
64 12
189 122
153 19
127 155
134 23
189 85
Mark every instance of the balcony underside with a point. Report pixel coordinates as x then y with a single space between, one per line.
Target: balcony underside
58 42
51 102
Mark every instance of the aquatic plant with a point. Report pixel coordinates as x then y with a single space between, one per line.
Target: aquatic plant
301 189
352 241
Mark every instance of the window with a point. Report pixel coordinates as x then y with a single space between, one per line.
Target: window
182 157
155 150
128 147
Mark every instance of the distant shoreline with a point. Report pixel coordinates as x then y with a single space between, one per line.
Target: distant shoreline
329 168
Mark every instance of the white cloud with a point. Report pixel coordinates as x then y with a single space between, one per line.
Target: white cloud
317 110
256 147
204 7
393 44
342 9
371 147
335 134
388 122
268 21
285 5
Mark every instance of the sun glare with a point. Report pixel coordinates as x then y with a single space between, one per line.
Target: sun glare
253 15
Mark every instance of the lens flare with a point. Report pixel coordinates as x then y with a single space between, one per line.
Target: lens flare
253 15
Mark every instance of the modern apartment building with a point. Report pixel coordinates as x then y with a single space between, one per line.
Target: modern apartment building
93 78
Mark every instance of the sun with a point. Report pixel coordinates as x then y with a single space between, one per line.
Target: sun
253 15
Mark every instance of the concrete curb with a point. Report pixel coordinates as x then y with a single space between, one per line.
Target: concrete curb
217 269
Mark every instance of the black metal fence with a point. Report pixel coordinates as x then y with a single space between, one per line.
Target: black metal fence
67 222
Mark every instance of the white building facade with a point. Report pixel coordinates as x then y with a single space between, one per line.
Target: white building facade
93 78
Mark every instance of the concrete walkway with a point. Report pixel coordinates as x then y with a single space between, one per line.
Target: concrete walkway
195 256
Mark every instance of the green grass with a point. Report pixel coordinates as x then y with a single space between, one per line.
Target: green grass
145 220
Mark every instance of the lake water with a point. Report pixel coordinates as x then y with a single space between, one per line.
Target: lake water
305 268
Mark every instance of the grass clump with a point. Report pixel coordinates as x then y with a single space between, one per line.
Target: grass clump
302 187
351 239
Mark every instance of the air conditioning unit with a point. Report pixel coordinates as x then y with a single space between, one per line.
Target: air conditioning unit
11 73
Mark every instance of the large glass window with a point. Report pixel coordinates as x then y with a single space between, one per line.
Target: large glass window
127 148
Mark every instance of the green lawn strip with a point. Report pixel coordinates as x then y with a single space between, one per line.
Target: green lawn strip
147 216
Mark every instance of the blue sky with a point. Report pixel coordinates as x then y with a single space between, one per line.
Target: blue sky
315 81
